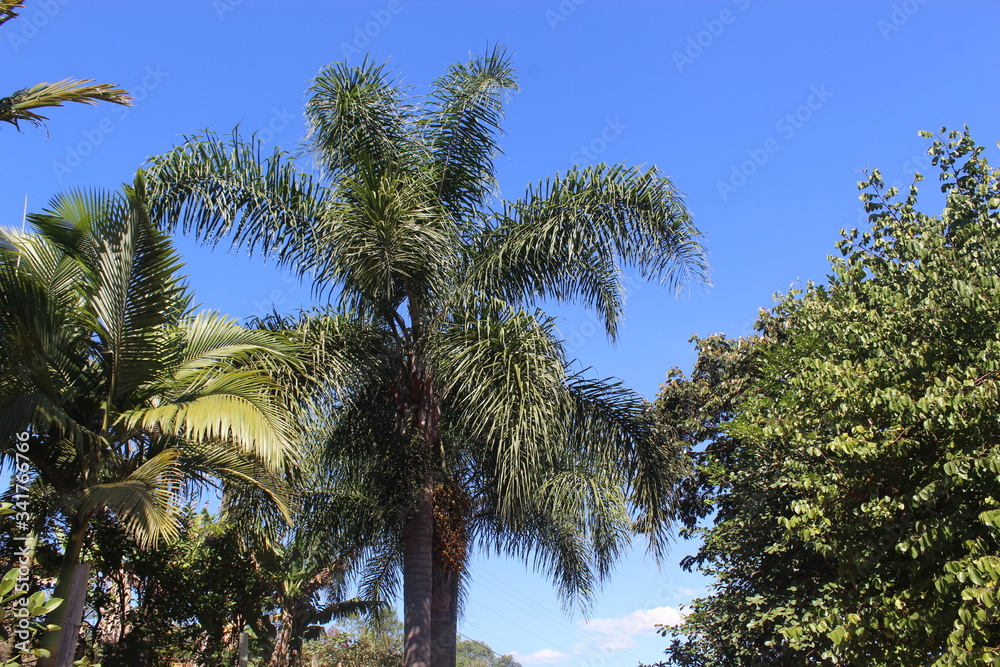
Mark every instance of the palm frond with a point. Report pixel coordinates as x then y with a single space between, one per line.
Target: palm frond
146 501
239 407
571 237
464 125
386 241
8 9
216 188
338 352
18 107
360 123
502 372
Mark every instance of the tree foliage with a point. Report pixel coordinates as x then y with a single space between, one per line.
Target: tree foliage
113 394
472 653
361 642
848 456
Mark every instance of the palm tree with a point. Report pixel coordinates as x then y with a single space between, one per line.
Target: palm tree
468 408
125 398
18 106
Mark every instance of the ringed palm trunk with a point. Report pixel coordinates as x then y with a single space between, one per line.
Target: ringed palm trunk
72 588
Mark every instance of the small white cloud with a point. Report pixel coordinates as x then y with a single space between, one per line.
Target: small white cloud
608 635
616 634
546 656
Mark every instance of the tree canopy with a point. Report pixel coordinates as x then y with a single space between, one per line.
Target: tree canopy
848 456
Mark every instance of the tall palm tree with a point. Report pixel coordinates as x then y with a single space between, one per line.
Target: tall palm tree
19 106
468 408
126 399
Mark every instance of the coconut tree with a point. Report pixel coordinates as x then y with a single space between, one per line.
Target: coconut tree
470 407
114 393
20 105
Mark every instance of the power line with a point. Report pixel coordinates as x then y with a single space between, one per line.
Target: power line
560 623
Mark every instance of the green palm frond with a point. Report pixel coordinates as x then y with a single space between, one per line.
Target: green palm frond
215 341
8 9
360 123
18 107
43 339
216 188
502 372
147 500
338 351
464 125
386 241
239 407
572 236
105 367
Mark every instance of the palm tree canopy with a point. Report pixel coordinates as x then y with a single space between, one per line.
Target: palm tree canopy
126 394
468 421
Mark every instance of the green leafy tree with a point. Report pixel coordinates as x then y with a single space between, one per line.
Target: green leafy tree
122 395
468 422
471 653
188 599
361 642
21 104
855 475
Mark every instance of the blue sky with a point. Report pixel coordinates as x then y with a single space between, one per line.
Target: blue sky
763 113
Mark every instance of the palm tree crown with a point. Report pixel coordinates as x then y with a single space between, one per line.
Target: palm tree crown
464 419
126 396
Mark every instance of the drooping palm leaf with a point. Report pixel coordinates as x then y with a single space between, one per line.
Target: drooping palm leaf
572 236
218 188
147 498
360 123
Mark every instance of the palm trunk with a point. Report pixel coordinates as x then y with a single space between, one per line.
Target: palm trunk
417 579
283 653
72 588
444 617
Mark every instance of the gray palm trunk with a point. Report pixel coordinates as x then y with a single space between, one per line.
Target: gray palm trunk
444 617
72 589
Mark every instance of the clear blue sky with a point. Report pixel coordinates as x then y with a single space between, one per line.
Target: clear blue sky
763 113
